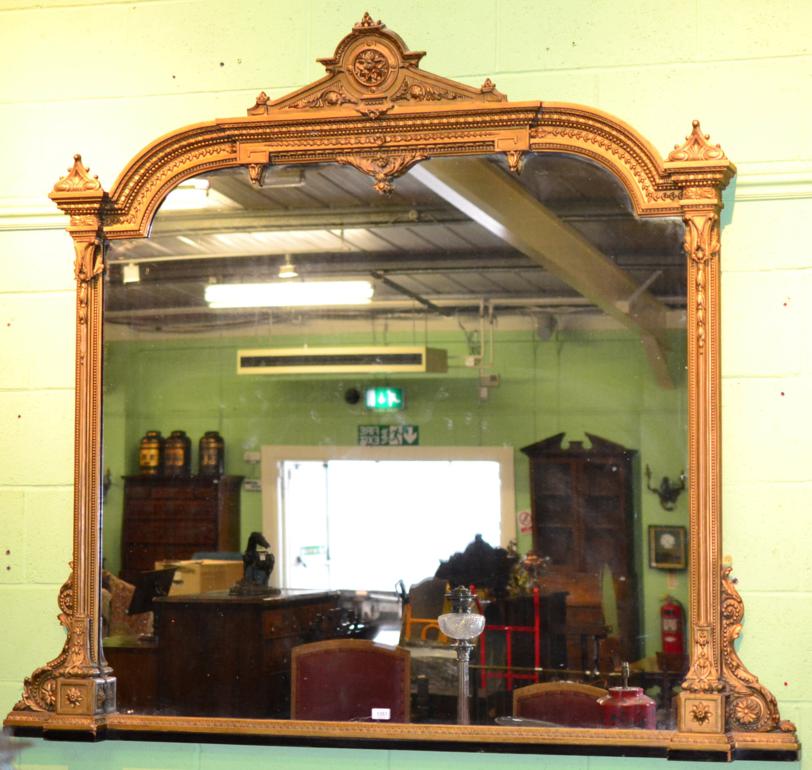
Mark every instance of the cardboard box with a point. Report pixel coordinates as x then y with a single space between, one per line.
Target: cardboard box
199 576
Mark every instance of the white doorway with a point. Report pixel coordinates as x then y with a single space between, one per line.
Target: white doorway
362 518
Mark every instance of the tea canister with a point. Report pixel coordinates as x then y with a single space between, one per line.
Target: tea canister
211 454
151 454
178 454
628 706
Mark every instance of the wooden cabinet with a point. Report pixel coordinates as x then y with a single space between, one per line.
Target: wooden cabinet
174 518
223 655
583 519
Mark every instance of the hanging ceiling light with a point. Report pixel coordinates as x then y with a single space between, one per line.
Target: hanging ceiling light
288 269
298 294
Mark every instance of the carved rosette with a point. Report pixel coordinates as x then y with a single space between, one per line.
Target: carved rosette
750 705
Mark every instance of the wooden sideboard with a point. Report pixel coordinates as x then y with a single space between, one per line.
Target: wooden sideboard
173 518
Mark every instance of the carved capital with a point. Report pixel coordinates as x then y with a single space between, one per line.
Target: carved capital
751 706
382 168
696 147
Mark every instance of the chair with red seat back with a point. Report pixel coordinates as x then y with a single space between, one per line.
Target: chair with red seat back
344 679
569 704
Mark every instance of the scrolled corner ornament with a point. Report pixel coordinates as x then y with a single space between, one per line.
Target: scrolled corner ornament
39 689
750 705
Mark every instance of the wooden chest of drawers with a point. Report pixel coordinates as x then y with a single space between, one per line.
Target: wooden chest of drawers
171 519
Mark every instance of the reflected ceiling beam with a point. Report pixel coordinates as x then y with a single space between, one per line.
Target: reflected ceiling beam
503 206
200 222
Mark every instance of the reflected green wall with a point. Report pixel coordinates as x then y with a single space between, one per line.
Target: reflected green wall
581 381
75 82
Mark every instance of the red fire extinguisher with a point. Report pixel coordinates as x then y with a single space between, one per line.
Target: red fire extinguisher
672 626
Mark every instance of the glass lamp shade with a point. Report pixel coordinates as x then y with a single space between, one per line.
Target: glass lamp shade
462 626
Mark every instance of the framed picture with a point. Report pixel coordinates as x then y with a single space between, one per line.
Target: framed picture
666 547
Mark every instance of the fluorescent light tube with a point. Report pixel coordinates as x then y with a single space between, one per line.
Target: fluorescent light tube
288 294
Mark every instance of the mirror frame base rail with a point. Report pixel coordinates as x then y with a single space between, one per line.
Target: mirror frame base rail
670 744
382 122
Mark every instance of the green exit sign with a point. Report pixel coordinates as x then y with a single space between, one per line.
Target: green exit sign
384 399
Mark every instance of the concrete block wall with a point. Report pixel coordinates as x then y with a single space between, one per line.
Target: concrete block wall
103 78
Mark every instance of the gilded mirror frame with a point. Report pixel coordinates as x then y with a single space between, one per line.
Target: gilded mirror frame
382 120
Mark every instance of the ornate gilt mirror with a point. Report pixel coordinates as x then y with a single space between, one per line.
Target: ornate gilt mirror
542 314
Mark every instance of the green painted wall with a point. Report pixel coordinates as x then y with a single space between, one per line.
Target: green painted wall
598 382
105 78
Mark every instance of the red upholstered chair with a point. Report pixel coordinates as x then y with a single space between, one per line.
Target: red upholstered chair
344 679
570 704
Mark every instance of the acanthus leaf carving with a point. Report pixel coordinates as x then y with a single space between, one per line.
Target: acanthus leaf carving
697 147
383 168
89 260
515 159
78 179
751 706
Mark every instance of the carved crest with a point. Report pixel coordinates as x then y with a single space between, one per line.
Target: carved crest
77 179
372 72
697 147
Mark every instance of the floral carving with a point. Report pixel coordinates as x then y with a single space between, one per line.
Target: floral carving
418 92
697 147
701 713
370 67
383 168
78 178
334 96
74 697
747 710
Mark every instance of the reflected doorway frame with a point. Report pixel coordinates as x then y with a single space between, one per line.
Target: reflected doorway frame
272 456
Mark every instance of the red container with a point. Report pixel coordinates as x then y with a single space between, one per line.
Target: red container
628 707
